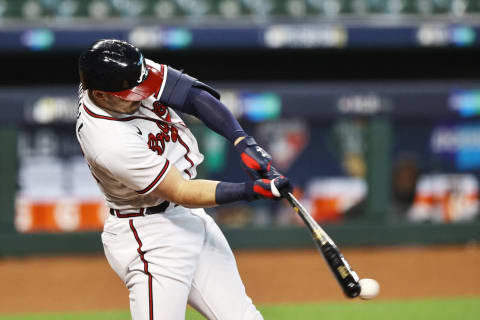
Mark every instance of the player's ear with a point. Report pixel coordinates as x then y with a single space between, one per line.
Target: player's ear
97 94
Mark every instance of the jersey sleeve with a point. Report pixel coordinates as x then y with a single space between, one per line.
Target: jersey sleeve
132 163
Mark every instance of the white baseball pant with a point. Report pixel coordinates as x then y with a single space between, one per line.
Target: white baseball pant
175 257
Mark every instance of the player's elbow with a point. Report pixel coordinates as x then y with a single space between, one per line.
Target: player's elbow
171 187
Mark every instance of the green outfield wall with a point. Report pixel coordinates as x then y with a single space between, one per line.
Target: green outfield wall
263 238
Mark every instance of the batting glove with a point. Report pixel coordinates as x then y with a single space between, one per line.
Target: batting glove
255 160
268 189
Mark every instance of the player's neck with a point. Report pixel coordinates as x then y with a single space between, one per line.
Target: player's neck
115 105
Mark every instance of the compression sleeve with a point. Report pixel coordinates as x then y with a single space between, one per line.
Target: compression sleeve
213 113
186 94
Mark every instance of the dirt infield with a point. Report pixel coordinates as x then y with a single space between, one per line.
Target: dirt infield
87 283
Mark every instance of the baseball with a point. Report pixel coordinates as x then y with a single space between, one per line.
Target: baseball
369 288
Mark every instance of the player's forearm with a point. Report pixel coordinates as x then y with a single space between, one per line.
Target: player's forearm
196 194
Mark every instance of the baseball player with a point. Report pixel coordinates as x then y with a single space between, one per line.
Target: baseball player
157 238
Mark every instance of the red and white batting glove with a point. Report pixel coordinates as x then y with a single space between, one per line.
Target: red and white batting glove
255 160
269 189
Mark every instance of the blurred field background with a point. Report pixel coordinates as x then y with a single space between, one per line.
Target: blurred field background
371 107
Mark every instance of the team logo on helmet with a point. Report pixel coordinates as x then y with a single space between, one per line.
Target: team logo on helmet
144 73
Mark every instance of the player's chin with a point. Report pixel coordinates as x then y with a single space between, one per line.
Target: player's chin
134 107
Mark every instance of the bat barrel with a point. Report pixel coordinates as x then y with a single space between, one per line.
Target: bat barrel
351 288
345 276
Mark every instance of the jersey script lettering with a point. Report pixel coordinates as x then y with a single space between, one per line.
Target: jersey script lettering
156 142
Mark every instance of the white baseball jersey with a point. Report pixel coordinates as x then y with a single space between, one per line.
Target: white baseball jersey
129 155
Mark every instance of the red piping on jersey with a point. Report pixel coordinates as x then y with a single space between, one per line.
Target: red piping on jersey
154 182
129 215
186 155
145 269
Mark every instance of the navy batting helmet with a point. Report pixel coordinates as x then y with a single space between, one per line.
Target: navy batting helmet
119 68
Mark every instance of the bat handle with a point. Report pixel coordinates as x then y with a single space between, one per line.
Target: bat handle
314 227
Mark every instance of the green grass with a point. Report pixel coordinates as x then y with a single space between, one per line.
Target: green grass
434 309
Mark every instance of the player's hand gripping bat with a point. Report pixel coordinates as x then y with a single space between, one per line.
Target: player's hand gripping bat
346 277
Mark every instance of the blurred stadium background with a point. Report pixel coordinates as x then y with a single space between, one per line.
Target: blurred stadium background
371 107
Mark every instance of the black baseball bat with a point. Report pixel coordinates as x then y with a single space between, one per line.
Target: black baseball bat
346 277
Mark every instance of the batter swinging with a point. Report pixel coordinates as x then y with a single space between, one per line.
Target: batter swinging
160 242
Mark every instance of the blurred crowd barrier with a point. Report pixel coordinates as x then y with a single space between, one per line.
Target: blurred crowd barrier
100 9
42 25
357 153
